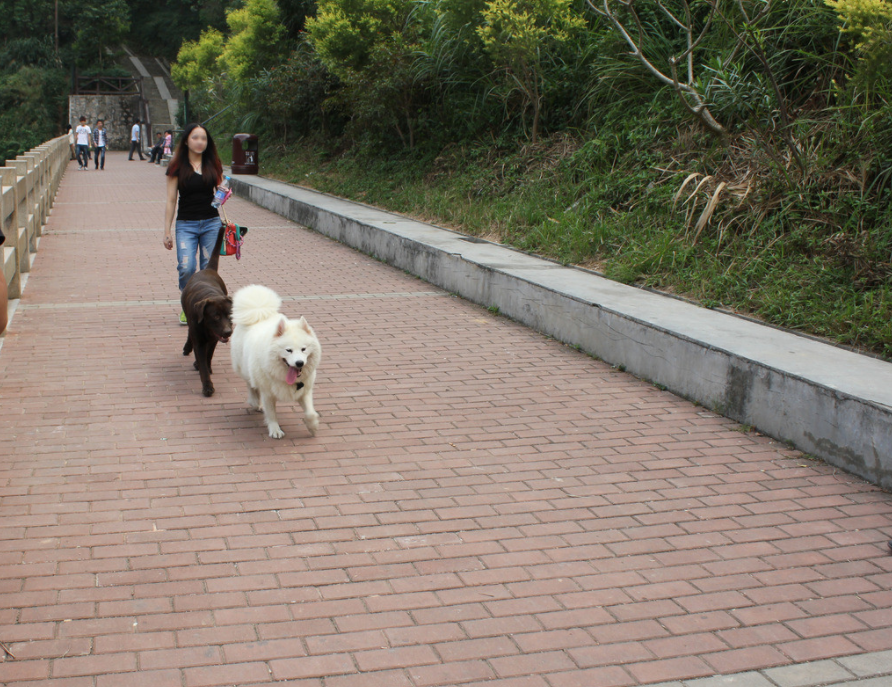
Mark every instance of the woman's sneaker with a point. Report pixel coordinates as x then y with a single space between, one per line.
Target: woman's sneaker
183 318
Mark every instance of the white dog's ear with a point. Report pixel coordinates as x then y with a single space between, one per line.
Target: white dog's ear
303 324
281 328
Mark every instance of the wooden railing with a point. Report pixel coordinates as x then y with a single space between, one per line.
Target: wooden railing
28 187
107 85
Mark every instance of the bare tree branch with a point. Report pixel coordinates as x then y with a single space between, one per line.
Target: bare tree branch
691 98
683 27
750 41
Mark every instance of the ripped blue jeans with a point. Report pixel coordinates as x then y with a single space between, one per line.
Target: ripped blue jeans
194 237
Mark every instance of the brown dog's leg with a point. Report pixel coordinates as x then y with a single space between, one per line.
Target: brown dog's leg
204 370
209 356
211 347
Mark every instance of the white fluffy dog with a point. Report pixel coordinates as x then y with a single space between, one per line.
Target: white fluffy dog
276 357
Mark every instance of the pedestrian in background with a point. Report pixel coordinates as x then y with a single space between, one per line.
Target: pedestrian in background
70 133
82 135
155 152
100 141
135 136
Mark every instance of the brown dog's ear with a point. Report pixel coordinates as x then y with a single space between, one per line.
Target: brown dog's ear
199 310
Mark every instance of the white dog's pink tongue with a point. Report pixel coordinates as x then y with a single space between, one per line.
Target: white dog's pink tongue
292 376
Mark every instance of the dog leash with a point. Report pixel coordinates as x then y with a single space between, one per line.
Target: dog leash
232 228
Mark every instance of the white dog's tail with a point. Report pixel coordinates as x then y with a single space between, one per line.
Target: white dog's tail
253 304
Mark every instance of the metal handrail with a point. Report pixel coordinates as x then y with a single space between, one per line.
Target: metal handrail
214 116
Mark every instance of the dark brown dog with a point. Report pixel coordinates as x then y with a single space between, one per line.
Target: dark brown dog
208 311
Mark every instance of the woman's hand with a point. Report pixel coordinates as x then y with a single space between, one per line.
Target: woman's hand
172 194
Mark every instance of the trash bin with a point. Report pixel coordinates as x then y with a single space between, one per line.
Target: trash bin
245 156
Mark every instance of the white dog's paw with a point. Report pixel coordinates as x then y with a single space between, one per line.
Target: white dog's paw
312 422
276 432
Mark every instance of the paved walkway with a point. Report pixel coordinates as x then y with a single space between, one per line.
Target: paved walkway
482 505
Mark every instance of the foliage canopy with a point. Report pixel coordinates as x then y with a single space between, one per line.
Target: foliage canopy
870 21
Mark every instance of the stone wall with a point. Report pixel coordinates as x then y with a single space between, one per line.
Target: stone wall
117 112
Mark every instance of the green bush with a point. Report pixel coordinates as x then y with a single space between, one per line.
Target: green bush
32 100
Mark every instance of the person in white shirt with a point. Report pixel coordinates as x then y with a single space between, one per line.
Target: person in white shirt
134 141
83 134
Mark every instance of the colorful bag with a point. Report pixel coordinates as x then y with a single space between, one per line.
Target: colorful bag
233 237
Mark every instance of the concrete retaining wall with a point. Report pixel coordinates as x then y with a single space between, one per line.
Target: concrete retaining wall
824 400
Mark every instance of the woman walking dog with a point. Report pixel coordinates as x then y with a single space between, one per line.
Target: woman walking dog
193 175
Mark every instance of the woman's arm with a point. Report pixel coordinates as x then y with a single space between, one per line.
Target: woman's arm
172 183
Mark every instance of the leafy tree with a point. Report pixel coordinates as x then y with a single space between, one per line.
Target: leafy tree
26 18
255 38
460 13
453 62
294 16
870 22
291 96
159 27
34 52
344 34
33 81
30 100
371 46
98 27
519 35
223 72
654 42
198 60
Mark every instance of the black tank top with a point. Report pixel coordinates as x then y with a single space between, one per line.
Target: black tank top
195 199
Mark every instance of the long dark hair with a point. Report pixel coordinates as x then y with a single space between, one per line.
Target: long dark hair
211 167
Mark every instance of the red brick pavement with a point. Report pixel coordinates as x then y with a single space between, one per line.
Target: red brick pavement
482 505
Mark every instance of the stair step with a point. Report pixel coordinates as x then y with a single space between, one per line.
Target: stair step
159 113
